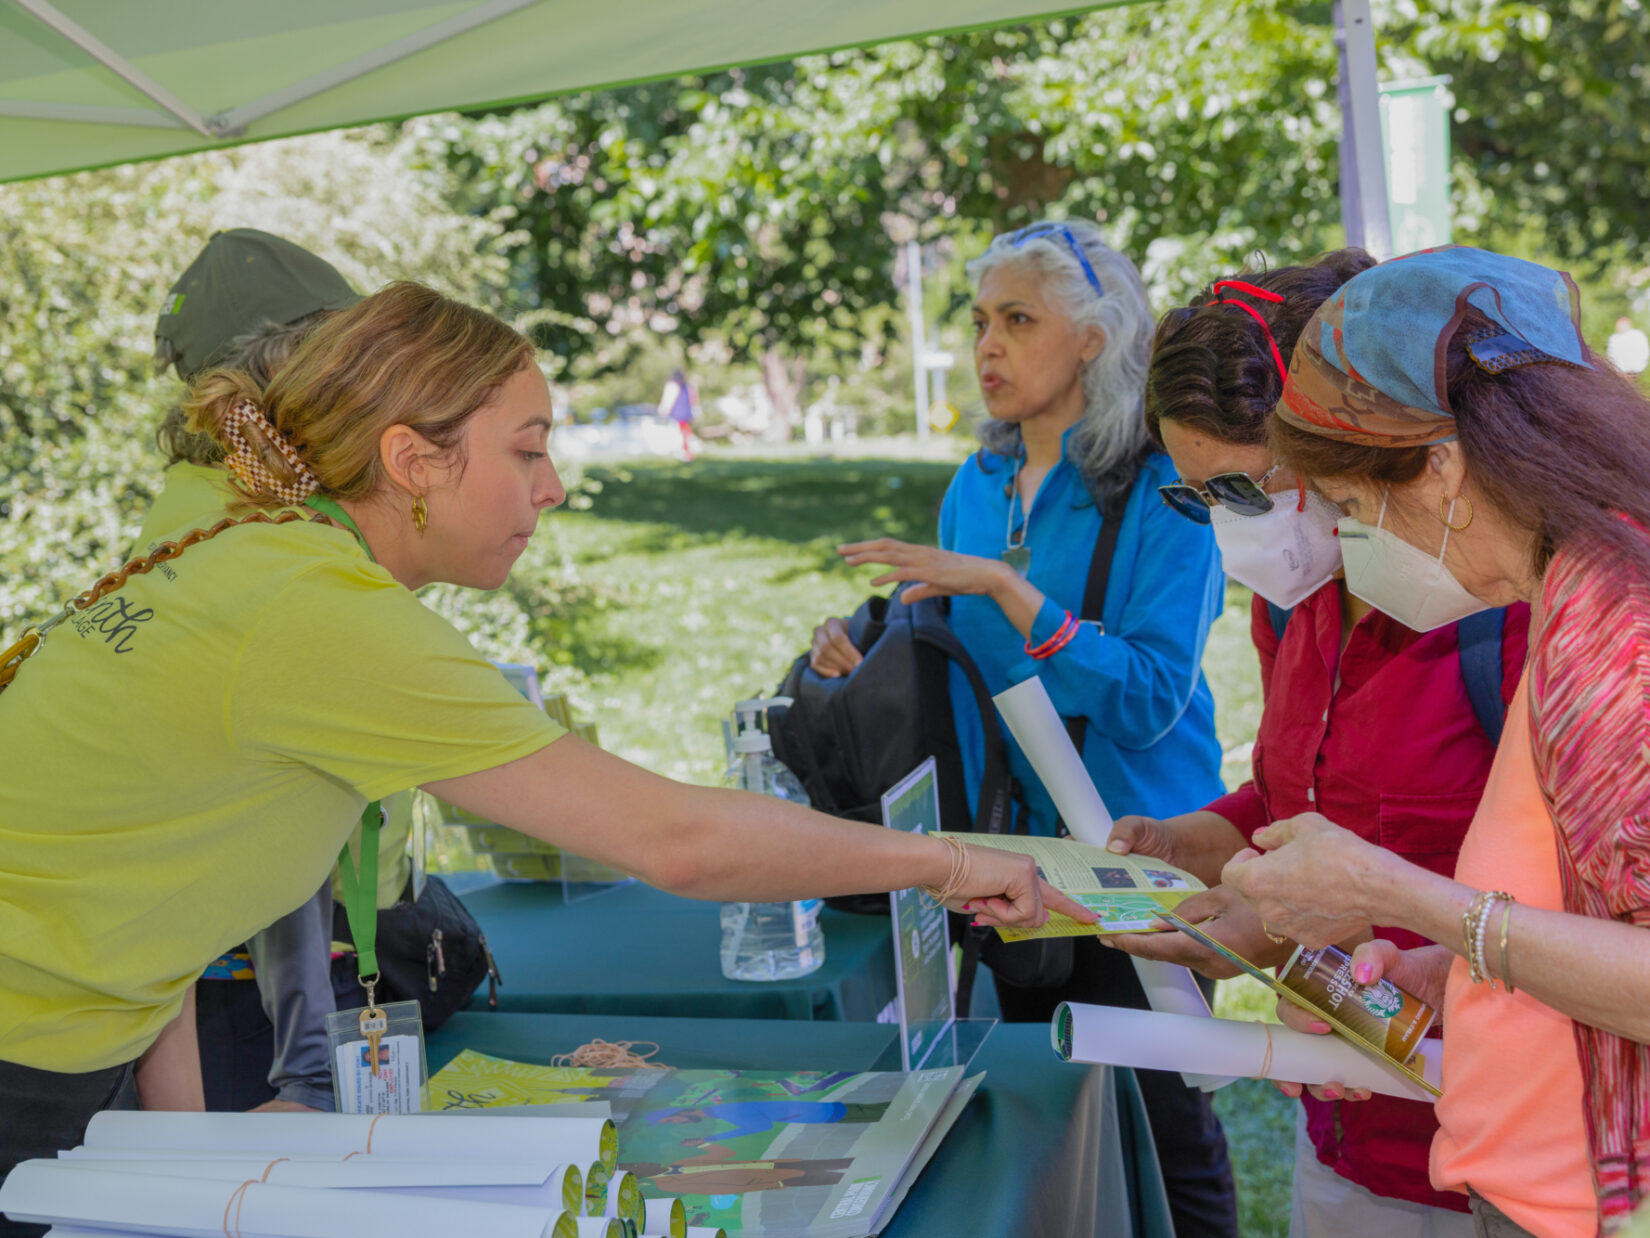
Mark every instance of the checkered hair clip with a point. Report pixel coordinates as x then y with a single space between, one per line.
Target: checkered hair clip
245 462
1496 350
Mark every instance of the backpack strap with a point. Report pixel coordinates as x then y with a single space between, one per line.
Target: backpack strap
1280 618
936 648
1478 639
1094 602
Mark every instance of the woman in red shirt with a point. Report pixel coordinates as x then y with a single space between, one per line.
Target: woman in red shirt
1341 680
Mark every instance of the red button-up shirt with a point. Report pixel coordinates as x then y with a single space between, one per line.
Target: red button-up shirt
1379 737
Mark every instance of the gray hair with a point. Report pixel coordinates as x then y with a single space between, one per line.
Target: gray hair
1110 442
258 352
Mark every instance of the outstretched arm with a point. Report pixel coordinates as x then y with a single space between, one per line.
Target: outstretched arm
730 845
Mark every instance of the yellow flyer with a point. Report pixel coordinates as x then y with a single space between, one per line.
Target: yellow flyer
1127 892
475 1081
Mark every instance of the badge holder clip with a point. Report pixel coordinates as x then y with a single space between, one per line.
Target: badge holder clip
377 1052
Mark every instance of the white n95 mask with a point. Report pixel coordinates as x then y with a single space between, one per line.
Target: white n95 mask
1286 554
1403 580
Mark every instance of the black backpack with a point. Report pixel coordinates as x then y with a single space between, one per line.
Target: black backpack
851 738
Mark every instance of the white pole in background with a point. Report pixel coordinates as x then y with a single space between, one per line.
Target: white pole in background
1364 210
919 342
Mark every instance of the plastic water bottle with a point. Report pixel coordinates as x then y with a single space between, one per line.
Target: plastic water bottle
767 941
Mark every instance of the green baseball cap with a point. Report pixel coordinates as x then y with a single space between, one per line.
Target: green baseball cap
241 280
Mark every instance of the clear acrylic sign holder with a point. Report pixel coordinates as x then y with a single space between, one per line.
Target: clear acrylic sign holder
924 1004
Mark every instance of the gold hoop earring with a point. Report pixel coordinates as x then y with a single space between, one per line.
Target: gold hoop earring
1444 518
420 512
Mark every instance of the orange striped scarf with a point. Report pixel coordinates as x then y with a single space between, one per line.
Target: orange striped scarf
1589 678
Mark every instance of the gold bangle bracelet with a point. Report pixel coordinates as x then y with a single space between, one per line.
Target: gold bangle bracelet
1506 967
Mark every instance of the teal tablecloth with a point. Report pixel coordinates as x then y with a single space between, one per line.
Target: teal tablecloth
640 951
1046 1149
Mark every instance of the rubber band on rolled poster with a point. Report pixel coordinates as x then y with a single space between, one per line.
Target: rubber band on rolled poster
1295 999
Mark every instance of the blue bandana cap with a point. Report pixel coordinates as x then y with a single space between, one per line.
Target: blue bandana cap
1370 366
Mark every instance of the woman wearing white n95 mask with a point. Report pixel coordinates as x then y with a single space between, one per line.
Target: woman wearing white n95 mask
1342 682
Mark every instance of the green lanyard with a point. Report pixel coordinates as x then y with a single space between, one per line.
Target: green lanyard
360 883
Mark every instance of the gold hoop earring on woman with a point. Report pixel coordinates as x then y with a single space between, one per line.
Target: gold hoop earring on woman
420 512
1453 528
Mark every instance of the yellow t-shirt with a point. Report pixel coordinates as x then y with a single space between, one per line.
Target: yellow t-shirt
184 760
197 496
394 862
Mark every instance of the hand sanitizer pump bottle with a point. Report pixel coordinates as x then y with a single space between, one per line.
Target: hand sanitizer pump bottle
767 941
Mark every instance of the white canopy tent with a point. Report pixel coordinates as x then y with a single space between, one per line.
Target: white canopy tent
90 82
86 83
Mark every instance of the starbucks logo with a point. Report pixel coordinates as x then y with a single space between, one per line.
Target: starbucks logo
1382 999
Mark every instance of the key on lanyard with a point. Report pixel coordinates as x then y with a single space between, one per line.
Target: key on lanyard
374 1023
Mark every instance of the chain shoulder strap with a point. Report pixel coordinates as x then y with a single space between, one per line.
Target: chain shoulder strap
35 636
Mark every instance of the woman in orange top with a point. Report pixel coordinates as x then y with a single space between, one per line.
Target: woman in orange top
1482 454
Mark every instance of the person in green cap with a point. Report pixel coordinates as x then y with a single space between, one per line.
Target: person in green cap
245 302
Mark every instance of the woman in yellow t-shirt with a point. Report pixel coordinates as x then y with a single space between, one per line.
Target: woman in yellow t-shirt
185 757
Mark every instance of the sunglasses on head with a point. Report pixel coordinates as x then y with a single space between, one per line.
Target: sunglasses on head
1048 231
1236 492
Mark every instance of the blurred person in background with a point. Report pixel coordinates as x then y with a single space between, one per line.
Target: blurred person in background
1628 349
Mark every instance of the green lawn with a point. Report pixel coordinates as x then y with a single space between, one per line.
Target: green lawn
695 585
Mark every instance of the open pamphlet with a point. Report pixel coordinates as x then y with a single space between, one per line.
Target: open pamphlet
768 1154
1127 892
1412 1067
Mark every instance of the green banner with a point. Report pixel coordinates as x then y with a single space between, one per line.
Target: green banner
1415 132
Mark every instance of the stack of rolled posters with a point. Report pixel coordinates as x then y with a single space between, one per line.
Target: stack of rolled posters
279 1175
621 1198
1150 1040
664 1218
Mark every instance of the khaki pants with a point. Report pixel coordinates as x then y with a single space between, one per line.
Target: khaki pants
1327 1205
1488 1221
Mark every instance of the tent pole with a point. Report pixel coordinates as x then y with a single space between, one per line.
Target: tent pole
118 65
1364 210
89 114
919 345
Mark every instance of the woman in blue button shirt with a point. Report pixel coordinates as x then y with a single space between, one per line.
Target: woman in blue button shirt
1062 336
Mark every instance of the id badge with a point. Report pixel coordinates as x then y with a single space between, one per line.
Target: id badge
1018 558
378 1069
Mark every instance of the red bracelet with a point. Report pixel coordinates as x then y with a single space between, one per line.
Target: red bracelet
1061 638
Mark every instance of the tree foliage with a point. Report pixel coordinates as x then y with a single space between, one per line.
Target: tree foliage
85 262
756 207
1553 114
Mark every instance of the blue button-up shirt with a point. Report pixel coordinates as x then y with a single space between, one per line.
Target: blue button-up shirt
1150 745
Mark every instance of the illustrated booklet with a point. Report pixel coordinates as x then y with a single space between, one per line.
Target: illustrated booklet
768 1154
1127 892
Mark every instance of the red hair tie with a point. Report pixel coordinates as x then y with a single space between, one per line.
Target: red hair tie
1264 295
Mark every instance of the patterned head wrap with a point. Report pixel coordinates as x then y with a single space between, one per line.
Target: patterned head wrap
1369 367
243 459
